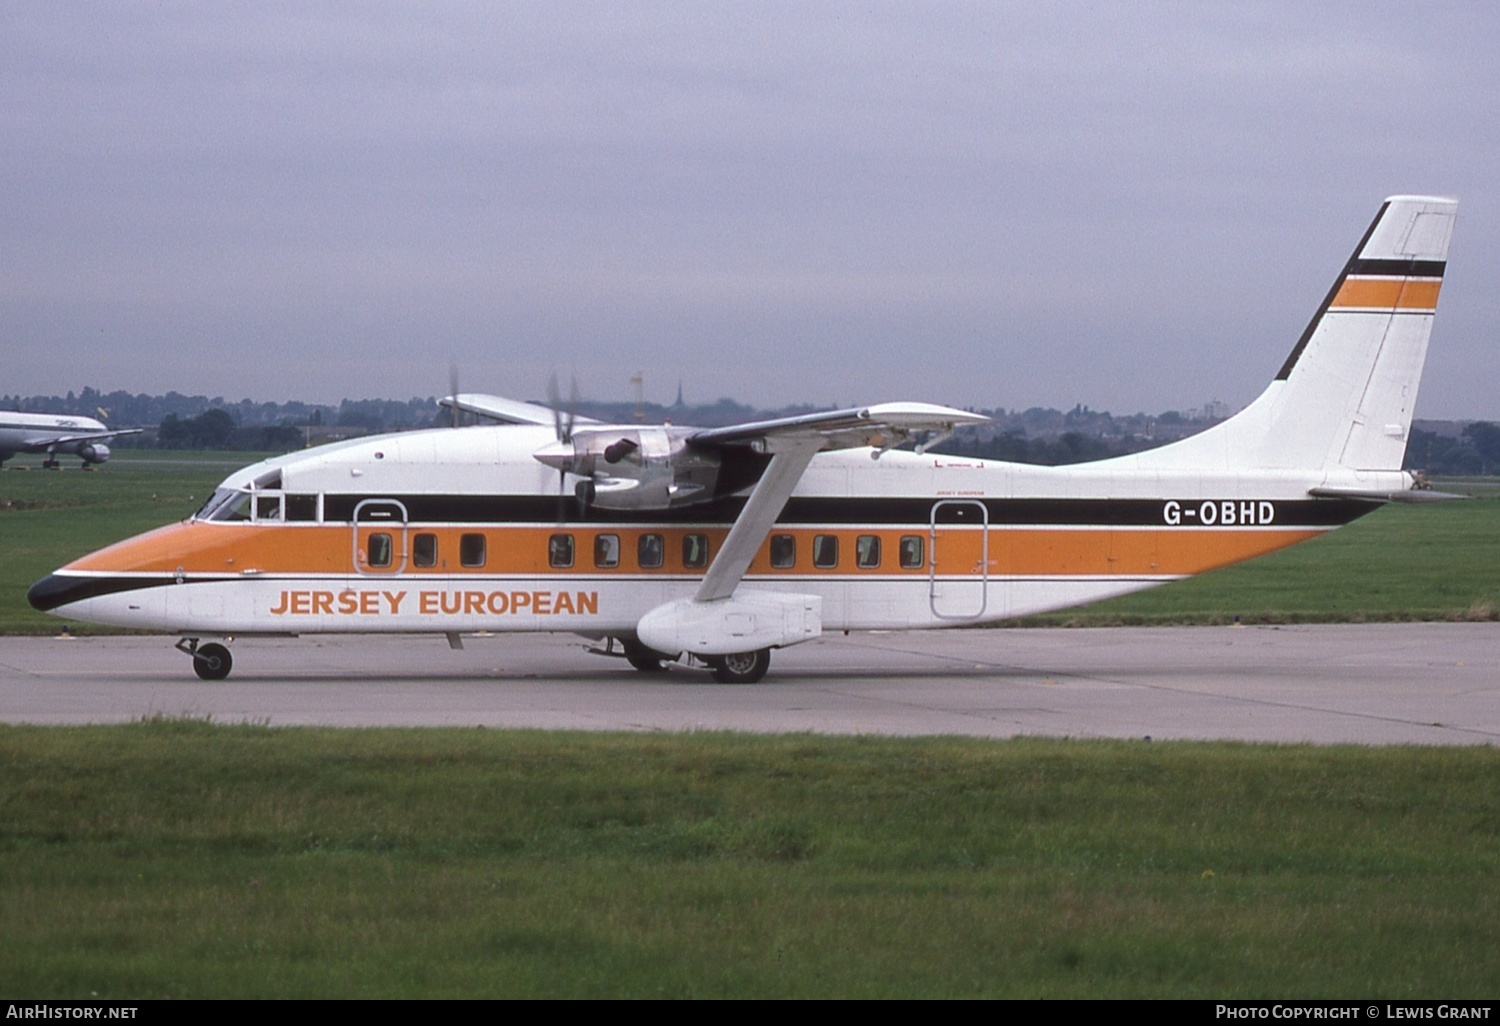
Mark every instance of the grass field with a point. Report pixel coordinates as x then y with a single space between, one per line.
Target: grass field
179 859
1430 562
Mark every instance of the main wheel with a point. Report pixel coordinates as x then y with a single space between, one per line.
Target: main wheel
647 660
212 662
742 667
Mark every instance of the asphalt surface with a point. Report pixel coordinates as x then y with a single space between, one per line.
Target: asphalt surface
1431 684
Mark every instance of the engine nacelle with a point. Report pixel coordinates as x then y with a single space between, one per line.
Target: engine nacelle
636 467
94 452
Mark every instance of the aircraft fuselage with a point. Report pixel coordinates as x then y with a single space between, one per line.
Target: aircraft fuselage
463 530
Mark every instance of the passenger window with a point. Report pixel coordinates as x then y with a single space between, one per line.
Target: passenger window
424 550
302 507
649 551
867 551
471 549
783 551
911 552
378 549
606 550
694 551
825 551
560 551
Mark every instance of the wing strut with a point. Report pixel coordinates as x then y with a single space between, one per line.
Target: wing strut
792 455
717 622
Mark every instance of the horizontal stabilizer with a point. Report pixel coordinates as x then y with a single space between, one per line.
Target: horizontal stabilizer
1403 495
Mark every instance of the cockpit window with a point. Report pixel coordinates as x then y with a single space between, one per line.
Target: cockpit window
225 504
302 507
211 503
239 509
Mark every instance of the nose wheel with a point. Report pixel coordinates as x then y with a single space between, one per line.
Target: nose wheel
211 661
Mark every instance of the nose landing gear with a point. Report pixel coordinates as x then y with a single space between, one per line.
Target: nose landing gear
211 661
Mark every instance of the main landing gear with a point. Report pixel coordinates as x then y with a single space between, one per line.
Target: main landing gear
737 668
741 667
211 661
647 660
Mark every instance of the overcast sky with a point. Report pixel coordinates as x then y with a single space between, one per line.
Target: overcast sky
1134 206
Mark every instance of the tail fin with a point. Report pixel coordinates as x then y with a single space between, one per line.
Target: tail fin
1345 395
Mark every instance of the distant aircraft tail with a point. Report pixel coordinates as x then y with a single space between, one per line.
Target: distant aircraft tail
1345 395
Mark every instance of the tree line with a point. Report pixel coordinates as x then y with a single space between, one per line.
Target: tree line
216 429
1038 436
1475 452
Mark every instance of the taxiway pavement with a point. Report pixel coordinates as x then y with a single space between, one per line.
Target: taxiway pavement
1361 684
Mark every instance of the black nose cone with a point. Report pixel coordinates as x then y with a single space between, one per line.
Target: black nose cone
56 590
53 591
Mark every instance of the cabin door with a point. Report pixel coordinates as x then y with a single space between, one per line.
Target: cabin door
379 537
959 571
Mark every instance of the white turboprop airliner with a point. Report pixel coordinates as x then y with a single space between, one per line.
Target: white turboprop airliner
83 437
718 545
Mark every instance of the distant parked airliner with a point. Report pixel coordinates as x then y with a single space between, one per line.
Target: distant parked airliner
83 437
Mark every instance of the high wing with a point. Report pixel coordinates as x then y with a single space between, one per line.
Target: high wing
792 443
883 426
55 442
505 411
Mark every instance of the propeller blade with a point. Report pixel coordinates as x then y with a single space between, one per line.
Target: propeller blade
554 402
561 454
572 407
